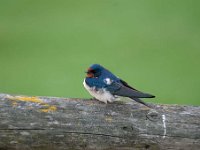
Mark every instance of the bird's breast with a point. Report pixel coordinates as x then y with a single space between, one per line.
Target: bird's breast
100 94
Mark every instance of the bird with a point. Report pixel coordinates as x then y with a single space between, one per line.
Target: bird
106 87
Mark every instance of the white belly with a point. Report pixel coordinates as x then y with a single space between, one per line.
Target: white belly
101 95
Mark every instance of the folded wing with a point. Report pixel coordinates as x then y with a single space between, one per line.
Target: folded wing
123 89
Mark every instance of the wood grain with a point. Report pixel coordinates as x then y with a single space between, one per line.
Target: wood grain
64 123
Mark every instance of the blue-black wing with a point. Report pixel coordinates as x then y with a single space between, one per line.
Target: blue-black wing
119 89
126 84
123 89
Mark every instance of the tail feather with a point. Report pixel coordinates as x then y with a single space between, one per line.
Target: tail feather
148 96
140 101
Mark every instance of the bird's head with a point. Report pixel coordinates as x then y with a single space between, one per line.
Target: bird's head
94 71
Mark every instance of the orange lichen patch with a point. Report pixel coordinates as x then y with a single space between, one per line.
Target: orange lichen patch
28 99
14 104
45 104
49 109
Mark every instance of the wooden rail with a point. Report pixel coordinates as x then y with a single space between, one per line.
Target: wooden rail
28 123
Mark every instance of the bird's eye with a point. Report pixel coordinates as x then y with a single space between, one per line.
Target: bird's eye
92 71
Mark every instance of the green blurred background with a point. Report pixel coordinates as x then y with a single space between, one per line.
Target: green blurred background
154 45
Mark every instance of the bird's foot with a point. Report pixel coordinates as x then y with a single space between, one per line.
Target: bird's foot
94 99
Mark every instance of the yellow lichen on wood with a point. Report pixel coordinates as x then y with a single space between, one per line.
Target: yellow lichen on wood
14 104
25 98
108 119
29 99
145 108
49 109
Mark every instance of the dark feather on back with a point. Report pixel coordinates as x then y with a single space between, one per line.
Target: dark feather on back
126 84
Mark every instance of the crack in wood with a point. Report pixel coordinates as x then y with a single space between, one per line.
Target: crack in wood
21 129
170 136
98 134
78 122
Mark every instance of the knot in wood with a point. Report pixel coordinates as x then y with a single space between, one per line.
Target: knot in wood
153 116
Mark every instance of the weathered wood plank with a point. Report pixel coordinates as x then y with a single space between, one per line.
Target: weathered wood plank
62 123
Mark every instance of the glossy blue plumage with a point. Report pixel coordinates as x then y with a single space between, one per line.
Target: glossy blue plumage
99 82
104 85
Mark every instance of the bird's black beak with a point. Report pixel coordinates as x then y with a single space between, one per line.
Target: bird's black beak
89 73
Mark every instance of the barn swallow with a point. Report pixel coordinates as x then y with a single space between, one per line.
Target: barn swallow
106 87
